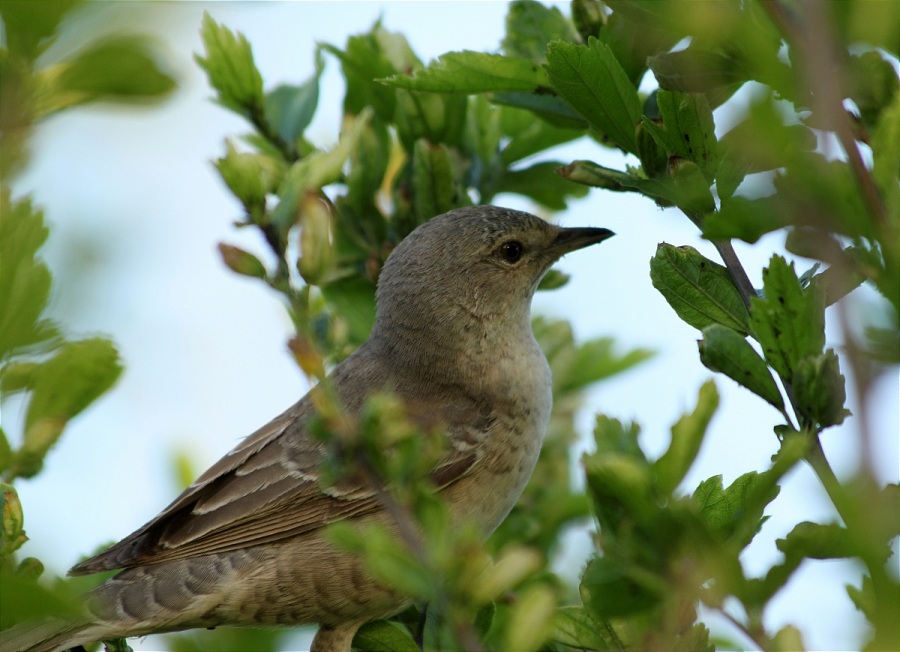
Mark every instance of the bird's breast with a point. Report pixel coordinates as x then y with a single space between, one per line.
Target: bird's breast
519 384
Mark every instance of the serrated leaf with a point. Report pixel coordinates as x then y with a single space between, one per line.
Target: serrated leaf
590 79
24 279
541 183
574 626
474 72
687 436
687 129
818 387
737 510
699 290
789 323
726 351
530 26
383 636
230 68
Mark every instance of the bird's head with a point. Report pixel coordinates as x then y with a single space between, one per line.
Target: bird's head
473 268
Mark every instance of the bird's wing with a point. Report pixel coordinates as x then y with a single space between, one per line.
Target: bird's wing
266 489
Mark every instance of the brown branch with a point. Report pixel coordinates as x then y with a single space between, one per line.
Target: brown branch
812 37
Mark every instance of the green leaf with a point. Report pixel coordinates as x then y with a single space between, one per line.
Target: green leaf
230 67
759 143
612 436
726 351
737 510
687 129
700 291
440 119
691 189
885 172
319 169
368 165
819 389
353 299
77 374
24 279
541 183
609 592
528 136
717 76
816 541
383 636
593 82
687 436
662 191
290 109
24 599
550 108
119 68
789 323
574 626
873 84
530 26
434 189
553 280
634 34
241 262
743 219
250 177
590 362
474 72
30 27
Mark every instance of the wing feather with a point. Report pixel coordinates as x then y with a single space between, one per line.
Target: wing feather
267 488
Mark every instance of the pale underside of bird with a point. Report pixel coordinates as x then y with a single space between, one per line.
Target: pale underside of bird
245 545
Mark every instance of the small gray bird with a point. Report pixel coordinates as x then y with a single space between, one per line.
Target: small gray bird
244 544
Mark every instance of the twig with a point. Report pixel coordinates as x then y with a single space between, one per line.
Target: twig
464 632
763 643
816 46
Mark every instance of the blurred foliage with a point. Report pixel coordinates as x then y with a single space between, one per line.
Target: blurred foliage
418 140
55 377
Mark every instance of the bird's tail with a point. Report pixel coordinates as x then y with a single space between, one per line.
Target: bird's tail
49 635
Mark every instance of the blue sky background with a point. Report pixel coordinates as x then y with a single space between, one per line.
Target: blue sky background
137 211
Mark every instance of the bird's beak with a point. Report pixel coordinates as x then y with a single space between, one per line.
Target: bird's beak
570 239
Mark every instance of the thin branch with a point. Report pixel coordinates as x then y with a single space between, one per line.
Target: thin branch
463 631
762 643
815 43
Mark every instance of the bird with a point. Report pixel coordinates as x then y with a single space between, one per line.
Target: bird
244 545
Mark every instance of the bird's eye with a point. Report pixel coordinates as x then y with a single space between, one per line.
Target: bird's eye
511 251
